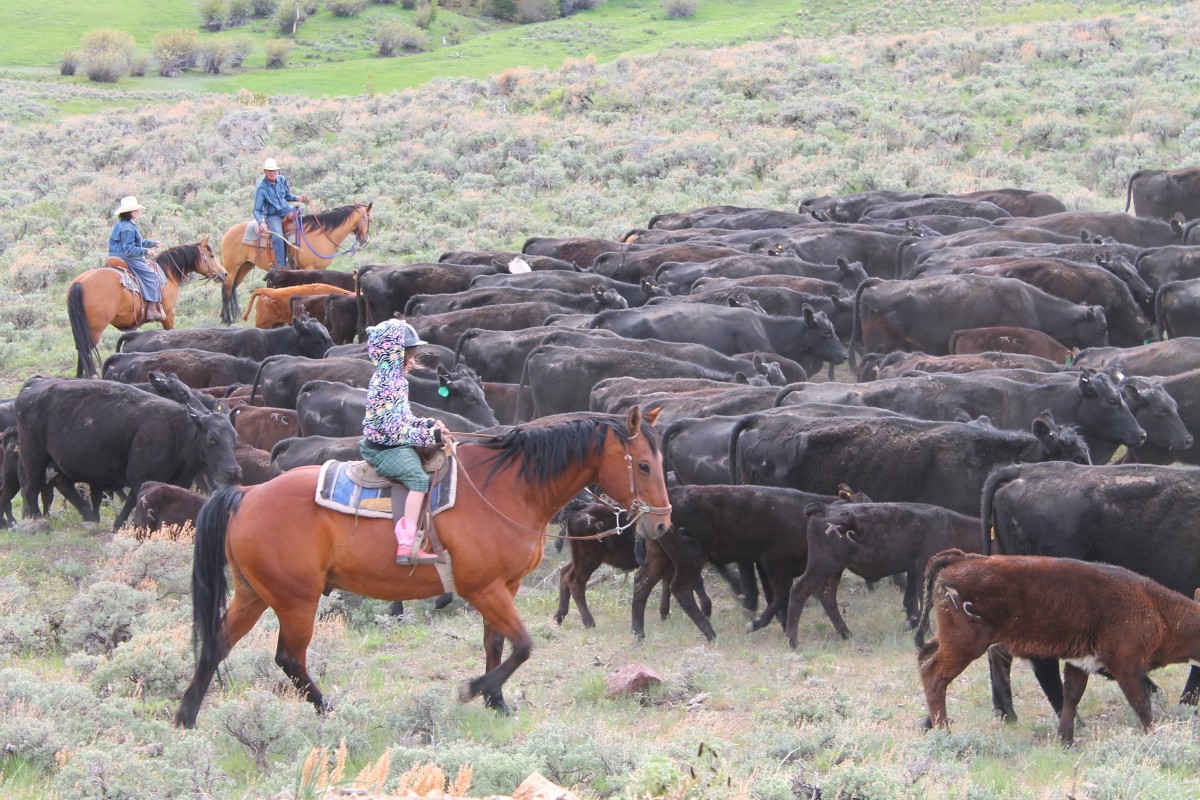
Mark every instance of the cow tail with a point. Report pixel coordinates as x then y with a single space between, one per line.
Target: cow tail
518 414
463 338
998 478
258 376
856 325
209 585
81 333
257 293
932 570
1159 318
1129 189
784 391
670 433
361 301
742 424
122 340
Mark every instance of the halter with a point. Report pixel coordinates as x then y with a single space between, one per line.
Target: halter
298 224
637 507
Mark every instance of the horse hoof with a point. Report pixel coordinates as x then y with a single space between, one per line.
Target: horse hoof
750 627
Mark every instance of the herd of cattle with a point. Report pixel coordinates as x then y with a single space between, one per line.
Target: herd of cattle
978 328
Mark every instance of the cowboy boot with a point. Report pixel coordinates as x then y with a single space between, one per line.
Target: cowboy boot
406 533
154 312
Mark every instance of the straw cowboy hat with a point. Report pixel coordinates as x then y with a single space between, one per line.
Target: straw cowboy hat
270 165
129 204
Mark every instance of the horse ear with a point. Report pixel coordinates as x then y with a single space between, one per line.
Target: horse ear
634 421
204 241
651 416
369 206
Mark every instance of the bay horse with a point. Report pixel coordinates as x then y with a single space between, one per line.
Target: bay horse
320 237
96 299
283 550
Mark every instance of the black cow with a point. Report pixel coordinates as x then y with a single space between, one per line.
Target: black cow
1177 308
305 451
578 250
385 290
502 259
113 436
730 330
635 262
1092 402
1165 264
1143 518
896 364
282 376
851 207
922 314
951 206
325 408
341 319
196 368
680 277
1018 202
1158 413
1163 193
890 459
1156 358
776 301
1184 390
8 414
874 541
301 338
444 329
595 300
635 294
913 253
282 278
1118 225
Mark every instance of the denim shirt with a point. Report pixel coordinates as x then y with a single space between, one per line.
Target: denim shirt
271 199
126 241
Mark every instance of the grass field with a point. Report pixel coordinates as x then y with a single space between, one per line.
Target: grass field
335 56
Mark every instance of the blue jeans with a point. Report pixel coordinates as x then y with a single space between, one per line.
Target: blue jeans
147 278
276 224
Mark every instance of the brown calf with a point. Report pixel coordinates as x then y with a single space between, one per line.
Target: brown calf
1008 340
162 505
274 305
1092 616
262 426
312 305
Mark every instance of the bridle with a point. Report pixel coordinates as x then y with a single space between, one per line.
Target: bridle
637 507
360 240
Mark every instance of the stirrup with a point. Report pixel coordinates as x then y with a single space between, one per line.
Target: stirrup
408 559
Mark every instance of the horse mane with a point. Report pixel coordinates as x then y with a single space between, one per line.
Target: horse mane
329 220
546 447
179 260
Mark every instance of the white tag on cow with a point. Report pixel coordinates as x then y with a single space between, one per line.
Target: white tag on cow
518 266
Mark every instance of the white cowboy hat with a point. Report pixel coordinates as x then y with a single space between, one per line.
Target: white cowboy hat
270 164
129 204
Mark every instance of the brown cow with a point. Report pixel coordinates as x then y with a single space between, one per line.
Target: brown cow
162 505
262 426
1093 616
274 305
1005 339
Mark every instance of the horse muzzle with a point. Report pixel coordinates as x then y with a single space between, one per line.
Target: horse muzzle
653 526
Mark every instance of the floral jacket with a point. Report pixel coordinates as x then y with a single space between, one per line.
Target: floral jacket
389 419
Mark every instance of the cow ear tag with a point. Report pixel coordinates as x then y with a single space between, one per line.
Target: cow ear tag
443 391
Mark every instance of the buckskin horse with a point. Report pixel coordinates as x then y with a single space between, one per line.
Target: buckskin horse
96 298
320 236
283 550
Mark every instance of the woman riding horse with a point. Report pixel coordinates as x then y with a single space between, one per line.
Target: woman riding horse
320 235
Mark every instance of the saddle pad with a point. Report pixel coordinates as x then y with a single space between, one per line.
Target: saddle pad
128 279
250 235
336 490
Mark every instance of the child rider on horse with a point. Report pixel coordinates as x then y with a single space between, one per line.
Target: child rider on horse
391 431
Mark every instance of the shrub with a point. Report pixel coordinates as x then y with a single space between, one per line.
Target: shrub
388 37
537 10
412 40
504 9
277 53
262 722
678 9
154 664
425 14
102 615
175 51
239 11
69 63
383 2
288 17
345 8
408 4
214 54
139 64
239 48
261 9
106 67
212 14
569 7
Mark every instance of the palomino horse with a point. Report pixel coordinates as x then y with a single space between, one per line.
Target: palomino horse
96 299
319 240
283 550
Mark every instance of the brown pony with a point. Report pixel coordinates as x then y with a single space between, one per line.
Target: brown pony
319 240
96 299
283 550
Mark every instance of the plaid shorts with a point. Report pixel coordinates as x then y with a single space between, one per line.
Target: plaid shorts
399 464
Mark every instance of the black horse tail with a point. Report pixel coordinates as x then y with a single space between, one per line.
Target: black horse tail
999 477
89 354
209 585
932 570
856 326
